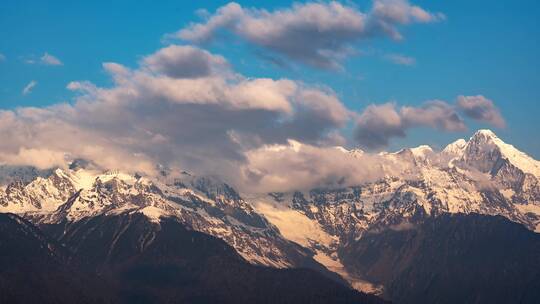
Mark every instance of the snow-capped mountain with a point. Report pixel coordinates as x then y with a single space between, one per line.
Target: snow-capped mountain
482 176
488 153
311 228
202 204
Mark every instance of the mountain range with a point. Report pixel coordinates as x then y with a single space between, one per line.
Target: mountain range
460 225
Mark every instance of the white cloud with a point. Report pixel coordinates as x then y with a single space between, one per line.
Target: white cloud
203 121
199 115
2 57
378 124
481 109
185 62
400 59
185 108
437 114
29 87
39 158
402 12
315 33
45 59
48 59
296 166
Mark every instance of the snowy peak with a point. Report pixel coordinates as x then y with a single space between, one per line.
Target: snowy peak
486 133
205 204
356 152
422 151
46 194
487 152
456 148
417 155
481 143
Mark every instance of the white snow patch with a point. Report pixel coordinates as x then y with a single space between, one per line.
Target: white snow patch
336 266
154 214
107 176
422 151
83 179
456 148
507 193
294 225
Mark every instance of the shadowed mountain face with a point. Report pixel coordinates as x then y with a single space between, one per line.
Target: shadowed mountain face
452 259
128 259
33 269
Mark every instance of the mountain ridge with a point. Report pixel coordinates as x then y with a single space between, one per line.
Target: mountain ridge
467 177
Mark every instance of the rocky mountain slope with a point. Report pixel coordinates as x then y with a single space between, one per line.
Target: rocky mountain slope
482 176
125 259
453 258
34 268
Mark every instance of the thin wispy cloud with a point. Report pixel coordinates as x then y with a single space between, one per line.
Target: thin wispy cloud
45 59
2 57
48 59
400 59
29 87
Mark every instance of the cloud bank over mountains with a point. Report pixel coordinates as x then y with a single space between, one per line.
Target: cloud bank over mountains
184 107
378 124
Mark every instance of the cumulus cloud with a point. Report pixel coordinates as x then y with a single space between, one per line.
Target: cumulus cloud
436 114
482 109
45 137
318 34
378 124
202 121
184 62
400 59
29 87
39 158
48 59
296 166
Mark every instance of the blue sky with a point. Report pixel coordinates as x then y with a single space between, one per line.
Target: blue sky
483 47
